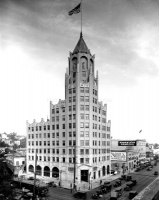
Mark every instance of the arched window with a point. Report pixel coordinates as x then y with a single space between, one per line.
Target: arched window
55 172
38 170
46 171
31 168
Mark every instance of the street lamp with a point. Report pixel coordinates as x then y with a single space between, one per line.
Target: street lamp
89 179
60 183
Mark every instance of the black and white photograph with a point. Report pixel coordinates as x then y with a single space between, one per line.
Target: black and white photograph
79 106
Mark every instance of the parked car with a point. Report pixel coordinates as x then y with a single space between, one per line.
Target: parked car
80 195
117 183
149 168
128 178
127 188
132 194
156 173
106 183
134 181
95 196
137 169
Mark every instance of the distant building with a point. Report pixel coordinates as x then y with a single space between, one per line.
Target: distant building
127 153
74 144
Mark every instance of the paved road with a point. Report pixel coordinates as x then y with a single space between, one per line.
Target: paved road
144 178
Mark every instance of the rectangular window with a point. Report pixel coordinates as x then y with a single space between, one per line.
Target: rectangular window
44 128
82 116
57 159
53 143
86 125
74 125
44 135
86 99
70 99
74 133
57 151
40 143
87 160
53 151
70 91
53 135
82 142
57 126
53 159
86 90
86 134
81 151
53 111
74 107
44 143
36 128
82 107
87 107
63 142
63 151
81 125
74 90
87 142
53 119
81 133
70 160
48 127
70 134
82 89
108 129
63 134
70 125
74 98
70 142
48 135
81 160
82 98
57 110
48 150
53 127
87 151
87 117
63 117
74 116
63 126
70 108
63 159
57 118
57 134
48 143
57 143
70 117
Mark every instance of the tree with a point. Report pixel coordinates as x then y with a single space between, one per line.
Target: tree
156 146
13 136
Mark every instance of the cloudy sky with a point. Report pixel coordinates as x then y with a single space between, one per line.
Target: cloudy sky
36 37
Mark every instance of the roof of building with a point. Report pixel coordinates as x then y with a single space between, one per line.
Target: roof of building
81 46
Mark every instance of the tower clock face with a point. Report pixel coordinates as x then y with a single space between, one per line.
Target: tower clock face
74 66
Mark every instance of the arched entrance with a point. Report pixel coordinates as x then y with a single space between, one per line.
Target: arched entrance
103 170
38 170
31 168
108 169
46 171
55 172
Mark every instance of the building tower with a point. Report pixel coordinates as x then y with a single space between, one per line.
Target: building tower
76 147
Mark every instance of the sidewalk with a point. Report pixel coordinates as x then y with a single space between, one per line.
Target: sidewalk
85 186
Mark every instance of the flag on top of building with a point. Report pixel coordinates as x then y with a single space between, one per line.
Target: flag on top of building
76 10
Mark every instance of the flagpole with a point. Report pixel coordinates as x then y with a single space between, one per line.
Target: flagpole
81 16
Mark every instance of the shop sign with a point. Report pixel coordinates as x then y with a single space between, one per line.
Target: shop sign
118 156
127 143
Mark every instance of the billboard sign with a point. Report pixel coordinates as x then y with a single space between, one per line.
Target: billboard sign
118 156
127 143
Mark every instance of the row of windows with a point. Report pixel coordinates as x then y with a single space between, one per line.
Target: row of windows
99 143
39 128
70 151
71 134
47 143
71 160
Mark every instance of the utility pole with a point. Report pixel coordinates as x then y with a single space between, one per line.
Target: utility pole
35 175
74 180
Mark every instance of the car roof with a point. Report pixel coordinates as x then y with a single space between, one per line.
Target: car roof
133 191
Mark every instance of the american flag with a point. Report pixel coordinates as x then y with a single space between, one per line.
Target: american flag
76 10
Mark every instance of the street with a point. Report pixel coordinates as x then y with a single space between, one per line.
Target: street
143 177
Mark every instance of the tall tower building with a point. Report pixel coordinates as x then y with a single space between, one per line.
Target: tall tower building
74 144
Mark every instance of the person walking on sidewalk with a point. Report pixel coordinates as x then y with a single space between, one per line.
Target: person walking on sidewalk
100 182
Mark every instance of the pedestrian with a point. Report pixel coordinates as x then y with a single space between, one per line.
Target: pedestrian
100 182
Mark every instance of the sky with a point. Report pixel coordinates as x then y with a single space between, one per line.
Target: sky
35 40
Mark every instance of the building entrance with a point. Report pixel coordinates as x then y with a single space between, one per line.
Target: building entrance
84 175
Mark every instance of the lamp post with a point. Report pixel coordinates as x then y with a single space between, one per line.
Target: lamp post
60 183
89 175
